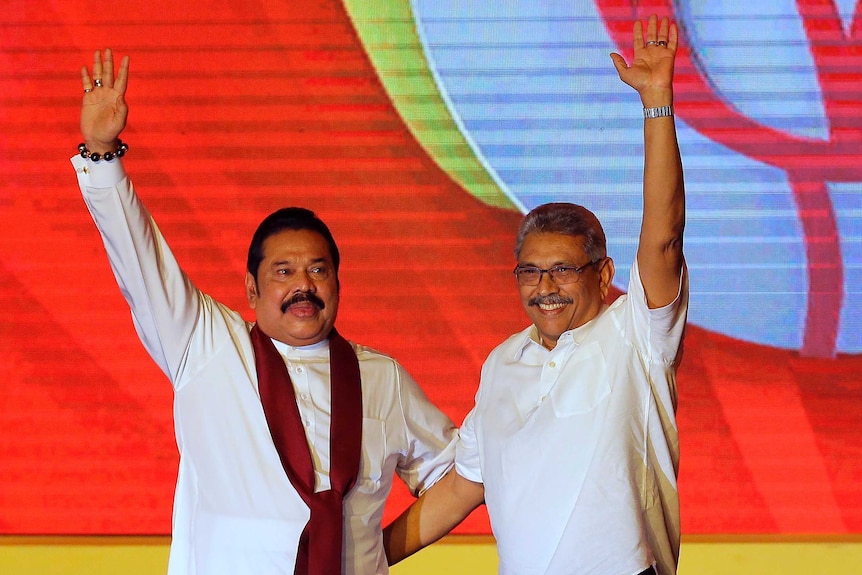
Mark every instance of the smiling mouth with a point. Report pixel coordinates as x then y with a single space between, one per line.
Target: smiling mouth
550 303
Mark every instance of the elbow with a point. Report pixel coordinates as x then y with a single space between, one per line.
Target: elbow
673 245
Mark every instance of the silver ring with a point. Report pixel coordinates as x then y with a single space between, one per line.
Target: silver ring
87 90
97 82
650 43
661 43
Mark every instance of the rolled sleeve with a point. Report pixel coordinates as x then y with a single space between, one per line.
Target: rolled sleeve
467 461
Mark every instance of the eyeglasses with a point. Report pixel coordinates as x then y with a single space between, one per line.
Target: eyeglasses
562 275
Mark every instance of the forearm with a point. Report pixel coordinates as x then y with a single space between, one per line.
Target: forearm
432 516
660 247
663 189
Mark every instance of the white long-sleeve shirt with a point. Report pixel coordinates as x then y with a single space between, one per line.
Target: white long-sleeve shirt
235 510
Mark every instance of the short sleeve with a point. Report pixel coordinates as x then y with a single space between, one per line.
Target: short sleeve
658 332
467 462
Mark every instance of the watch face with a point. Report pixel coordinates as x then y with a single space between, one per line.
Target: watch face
773 252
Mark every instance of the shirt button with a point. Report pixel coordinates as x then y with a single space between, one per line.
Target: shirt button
552 364
307 424
304 397
298 370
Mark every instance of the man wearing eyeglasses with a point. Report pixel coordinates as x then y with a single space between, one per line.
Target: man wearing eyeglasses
573 442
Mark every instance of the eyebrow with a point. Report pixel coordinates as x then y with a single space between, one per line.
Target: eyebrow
559 263
292 263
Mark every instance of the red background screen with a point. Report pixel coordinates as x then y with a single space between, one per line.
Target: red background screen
237 109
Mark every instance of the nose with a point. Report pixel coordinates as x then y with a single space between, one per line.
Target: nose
547 284
304 282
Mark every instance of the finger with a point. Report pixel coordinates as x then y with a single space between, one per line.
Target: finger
122 76
619 63
651 28
673 37
662 31
85 79
638 35
97 66
108 69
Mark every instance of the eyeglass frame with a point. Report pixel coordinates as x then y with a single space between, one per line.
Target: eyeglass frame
553 269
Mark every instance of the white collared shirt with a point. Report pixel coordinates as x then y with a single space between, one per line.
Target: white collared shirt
235 511
577 446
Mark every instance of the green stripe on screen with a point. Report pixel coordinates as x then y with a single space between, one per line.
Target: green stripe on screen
387 30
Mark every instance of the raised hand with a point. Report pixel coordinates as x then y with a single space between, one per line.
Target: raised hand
651 71
104 110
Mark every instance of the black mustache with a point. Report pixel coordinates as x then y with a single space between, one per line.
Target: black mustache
301 297
549 299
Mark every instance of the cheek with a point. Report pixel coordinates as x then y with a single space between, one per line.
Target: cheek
574 294
271 292
332 304
329 293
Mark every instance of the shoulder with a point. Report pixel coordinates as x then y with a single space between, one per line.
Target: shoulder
510 348
213 311
378 364
637 293
366 353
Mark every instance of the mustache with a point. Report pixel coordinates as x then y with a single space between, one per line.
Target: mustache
549 299
303 296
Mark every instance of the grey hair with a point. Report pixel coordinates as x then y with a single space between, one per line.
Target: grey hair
568 219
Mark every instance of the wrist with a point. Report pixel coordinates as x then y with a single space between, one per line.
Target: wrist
99 147
117 151
658 112
656 98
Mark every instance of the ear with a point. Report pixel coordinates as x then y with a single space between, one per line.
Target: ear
251 290
606 276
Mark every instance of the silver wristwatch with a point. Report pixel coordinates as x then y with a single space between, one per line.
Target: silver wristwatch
659 112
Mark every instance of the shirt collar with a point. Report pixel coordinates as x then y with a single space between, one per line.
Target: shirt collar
314 349
531 336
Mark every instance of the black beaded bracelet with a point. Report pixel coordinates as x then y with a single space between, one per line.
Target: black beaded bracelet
121 150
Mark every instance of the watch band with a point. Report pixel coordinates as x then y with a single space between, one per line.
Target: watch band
659 112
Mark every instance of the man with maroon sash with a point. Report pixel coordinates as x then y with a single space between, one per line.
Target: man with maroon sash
288 434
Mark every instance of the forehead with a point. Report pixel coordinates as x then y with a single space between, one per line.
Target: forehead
549 248
296 246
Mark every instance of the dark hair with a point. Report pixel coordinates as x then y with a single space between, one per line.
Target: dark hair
288 219
568 219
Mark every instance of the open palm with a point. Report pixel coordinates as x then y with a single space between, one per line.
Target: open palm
651 71
104 110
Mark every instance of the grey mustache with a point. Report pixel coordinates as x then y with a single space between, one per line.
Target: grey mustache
549 299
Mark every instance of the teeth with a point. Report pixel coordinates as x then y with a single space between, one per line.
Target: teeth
551 306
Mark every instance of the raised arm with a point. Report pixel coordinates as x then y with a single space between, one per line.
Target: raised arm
438 511
163 301
659 254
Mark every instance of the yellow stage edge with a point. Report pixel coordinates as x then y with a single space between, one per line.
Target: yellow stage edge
453 555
